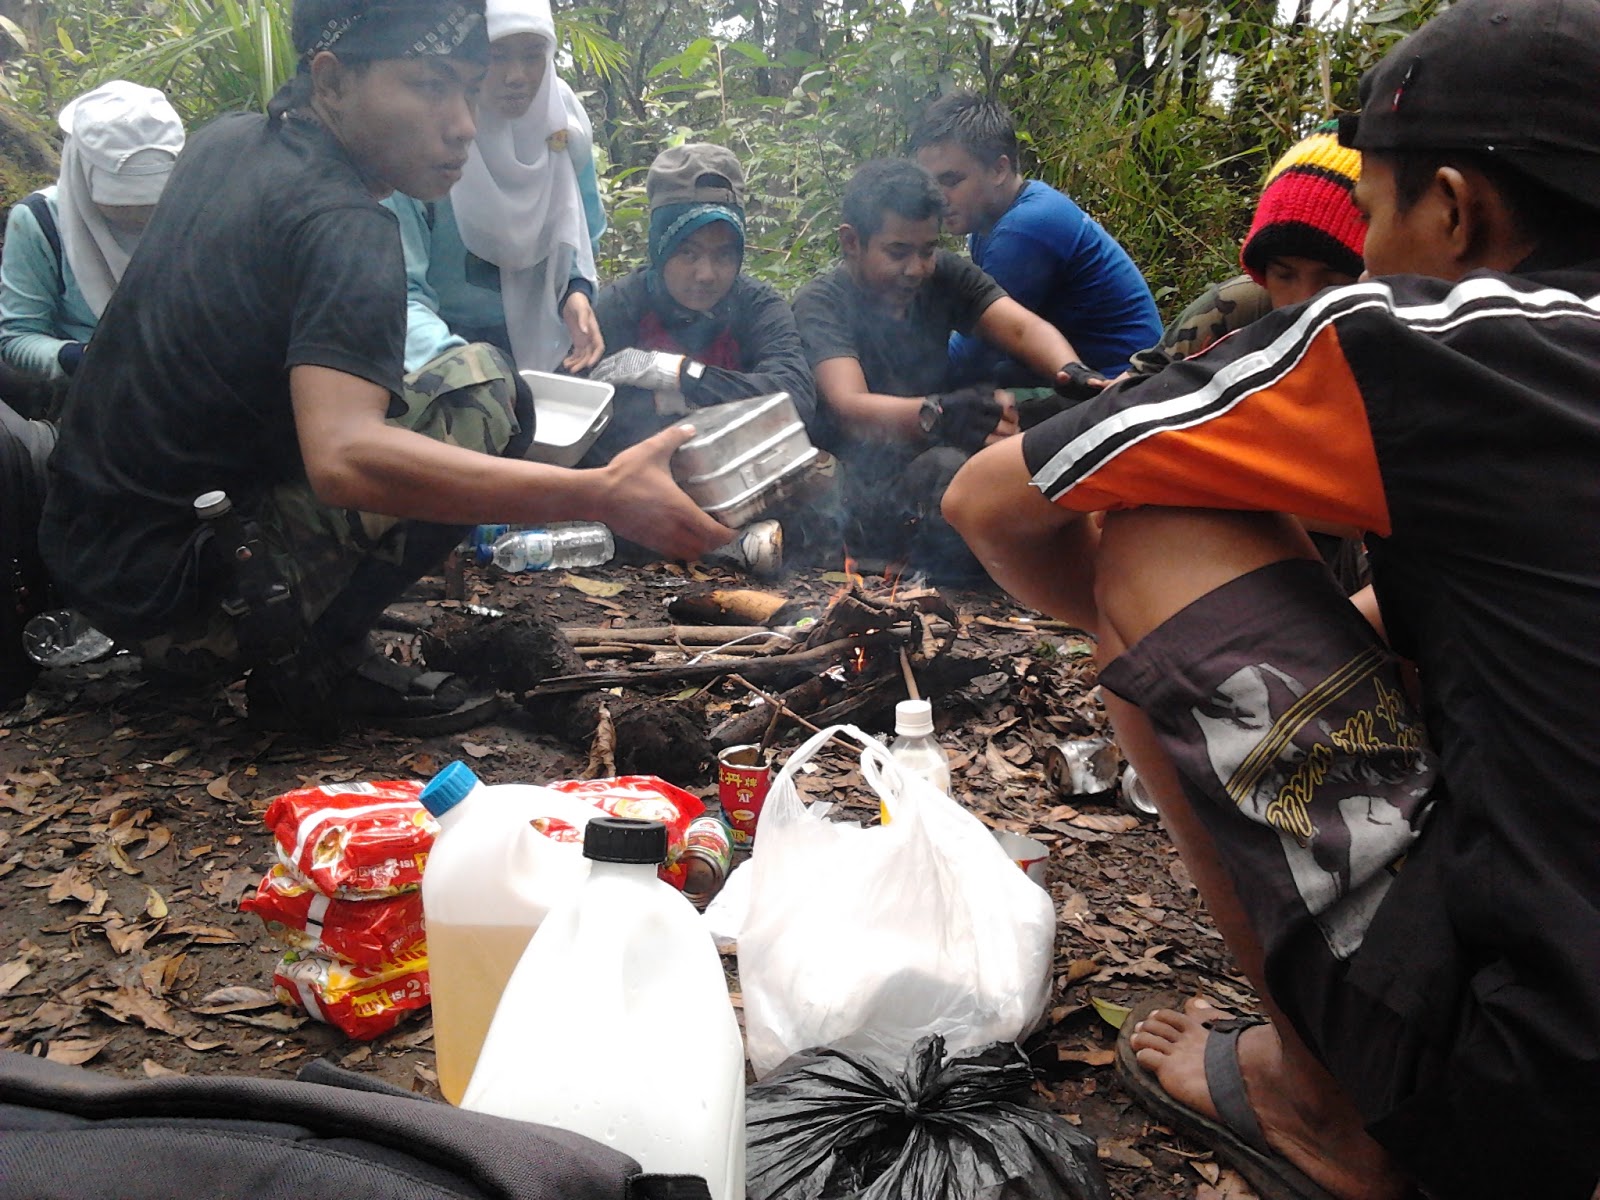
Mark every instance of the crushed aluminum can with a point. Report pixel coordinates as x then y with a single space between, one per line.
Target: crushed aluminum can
1083 766
1133 797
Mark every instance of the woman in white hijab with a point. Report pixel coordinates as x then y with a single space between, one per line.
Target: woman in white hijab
509 259
67 246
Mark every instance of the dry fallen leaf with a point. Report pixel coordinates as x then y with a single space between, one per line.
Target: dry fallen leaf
118 858
1106 822
221 788
1209 1171
477 751
1090 1058
281 1021
154 905
158 837
1079 968
235 999
128 939
13 973
137 1005
74 1052
71 884
154 1070
160 975
1122 1154
594 587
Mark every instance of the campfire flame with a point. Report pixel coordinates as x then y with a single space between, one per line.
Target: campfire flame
853 580
858 660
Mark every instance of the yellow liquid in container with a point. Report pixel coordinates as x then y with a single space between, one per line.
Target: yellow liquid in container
468 966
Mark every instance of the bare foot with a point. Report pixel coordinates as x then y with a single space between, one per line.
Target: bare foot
1306 1120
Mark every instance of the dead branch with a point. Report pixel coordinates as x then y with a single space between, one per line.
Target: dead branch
689 635
700 672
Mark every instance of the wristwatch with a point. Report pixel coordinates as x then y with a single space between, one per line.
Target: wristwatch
693 368
929 415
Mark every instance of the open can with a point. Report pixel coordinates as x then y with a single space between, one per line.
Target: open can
1082 766
743 778
1030 855
1134 797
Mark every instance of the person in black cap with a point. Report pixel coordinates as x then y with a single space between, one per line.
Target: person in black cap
1403 864
256 349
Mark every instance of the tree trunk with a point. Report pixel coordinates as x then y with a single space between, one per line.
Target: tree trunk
796 25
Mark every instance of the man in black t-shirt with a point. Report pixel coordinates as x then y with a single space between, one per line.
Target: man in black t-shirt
258 350
1404 866
876 331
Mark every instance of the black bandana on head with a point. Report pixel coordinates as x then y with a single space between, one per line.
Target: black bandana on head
404 31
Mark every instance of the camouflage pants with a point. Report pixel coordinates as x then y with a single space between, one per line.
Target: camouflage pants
345 566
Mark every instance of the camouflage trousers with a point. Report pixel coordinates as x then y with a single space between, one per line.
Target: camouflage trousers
345 566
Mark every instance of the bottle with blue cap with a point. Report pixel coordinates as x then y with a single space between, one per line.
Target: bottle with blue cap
490 880
601 996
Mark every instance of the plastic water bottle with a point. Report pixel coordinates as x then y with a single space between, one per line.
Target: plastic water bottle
564 544
490 880
63 638
602 995
480 541
916 749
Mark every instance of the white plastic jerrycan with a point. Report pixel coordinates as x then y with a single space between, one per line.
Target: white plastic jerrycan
489 881
617 1024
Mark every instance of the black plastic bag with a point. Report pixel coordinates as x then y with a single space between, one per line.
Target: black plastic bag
831 1125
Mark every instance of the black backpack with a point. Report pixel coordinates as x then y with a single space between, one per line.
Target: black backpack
70 1134
24 585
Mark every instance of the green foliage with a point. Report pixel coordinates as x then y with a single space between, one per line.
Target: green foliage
1158 116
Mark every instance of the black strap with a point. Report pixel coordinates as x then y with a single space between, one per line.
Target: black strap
1225 1082
36 203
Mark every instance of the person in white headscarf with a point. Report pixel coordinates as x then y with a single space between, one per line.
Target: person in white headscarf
67 245
509 258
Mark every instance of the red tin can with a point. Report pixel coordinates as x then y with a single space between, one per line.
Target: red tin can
742 781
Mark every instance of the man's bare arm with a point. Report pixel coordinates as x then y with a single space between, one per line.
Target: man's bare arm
863 413
1026 337
355 459
1039 552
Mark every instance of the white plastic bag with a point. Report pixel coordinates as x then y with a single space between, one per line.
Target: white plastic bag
870 938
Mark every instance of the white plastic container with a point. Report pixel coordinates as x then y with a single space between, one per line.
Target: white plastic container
617 1024
488 883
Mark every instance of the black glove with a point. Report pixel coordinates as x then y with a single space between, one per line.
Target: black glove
963 418
1082 383
70 355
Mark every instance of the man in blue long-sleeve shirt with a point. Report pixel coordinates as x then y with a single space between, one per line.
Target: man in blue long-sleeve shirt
1045 251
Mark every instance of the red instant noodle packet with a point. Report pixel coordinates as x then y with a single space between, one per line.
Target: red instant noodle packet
362 1002
369 933
354 840
643 796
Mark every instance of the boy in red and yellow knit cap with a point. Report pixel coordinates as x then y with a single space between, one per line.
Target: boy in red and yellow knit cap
1307 233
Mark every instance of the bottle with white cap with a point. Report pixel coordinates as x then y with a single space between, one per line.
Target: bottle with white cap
915 748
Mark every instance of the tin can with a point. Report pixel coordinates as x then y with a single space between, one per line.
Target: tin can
742 782
1134 797
1030 855
1083 766
707 859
